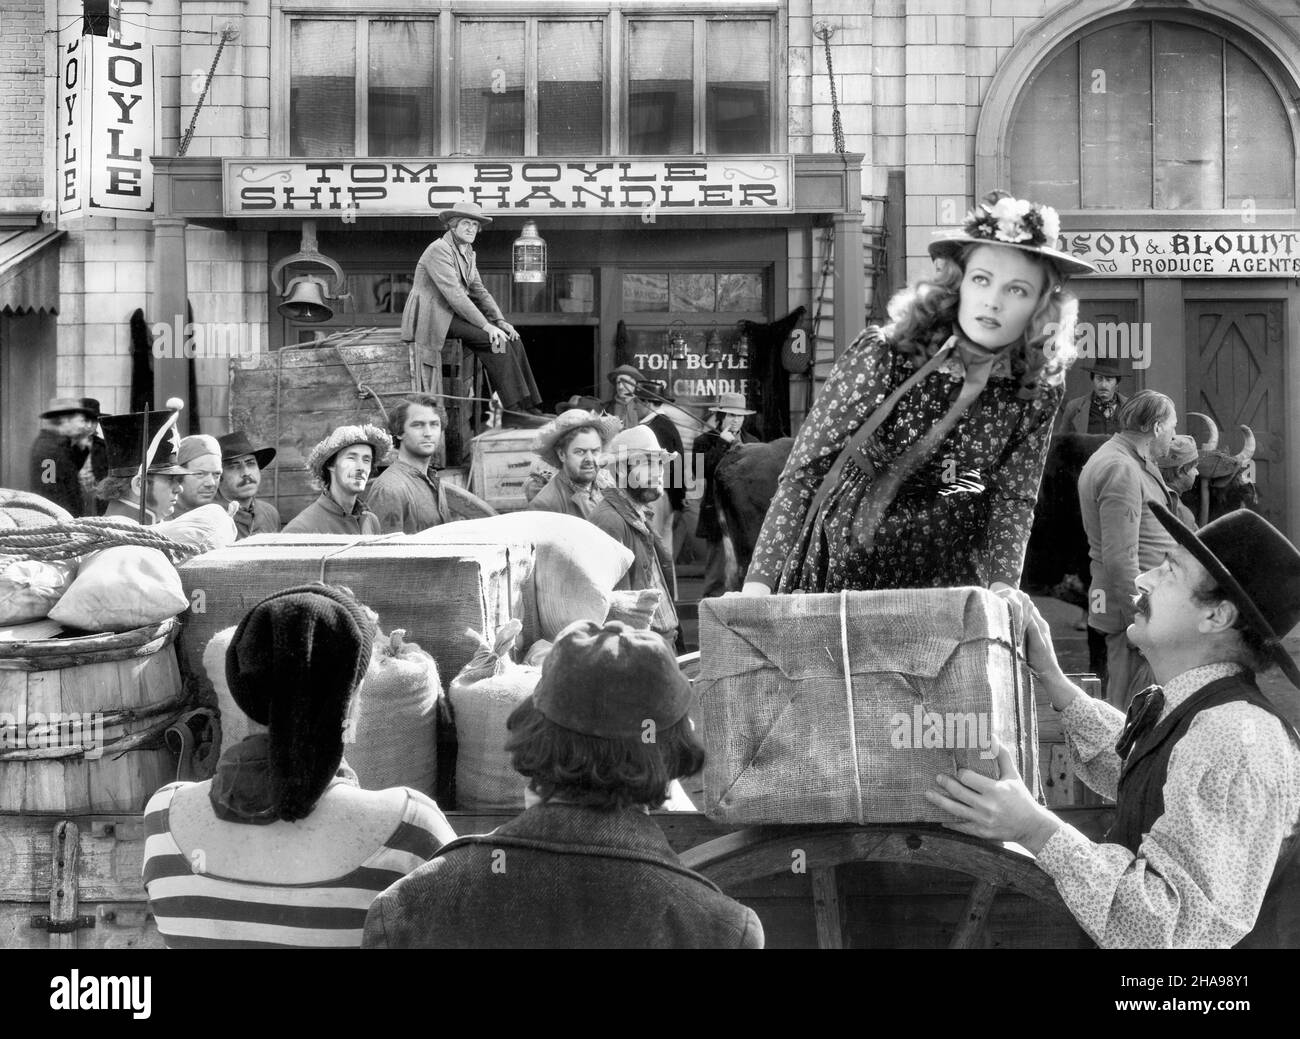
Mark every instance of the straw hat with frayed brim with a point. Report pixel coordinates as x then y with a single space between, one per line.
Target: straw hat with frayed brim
606 426
345 436
465 211
1014 223
1257 568
635 442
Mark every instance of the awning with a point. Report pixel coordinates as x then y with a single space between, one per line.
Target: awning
29 269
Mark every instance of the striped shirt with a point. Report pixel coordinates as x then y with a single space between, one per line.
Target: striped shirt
197 910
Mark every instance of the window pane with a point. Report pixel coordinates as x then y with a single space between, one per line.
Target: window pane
1115 122
660 95
645 293
492 88
740 292
403 103
570 88
1188 118
691 292
1260 153
575 293
1044 155
322 88
738 107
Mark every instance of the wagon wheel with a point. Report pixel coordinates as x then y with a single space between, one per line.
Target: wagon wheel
763 851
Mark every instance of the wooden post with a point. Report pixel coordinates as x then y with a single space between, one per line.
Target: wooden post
850 289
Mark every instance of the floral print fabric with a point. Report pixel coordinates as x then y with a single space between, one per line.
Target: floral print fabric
962 518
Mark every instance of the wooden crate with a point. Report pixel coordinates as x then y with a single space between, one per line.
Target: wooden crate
499 465
1061 787
292 398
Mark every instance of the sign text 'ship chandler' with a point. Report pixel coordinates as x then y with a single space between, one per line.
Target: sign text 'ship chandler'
416 187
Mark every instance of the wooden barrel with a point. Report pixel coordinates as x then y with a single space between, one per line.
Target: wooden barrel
81 721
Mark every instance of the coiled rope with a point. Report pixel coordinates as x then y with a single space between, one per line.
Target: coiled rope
70 540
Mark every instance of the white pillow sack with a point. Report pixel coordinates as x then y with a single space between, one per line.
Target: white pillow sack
121 588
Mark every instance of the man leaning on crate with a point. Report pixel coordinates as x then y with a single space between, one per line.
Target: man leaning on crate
1204 848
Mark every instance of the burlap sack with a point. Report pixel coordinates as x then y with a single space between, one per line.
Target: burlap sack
397 740
487 689
575 567
29 588
120 588
932 673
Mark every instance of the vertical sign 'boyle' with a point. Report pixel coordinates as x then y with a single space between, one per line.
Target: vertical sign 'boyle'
106 127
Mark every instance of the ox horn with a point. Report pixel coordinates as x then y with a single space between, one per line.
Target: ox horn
1248 448
1213 441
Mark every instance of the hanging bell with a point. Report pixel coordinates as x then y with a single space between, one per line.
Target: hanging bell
304 300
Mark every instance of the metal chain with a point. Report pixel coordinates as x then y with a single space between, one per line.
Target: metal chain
227 34
837 127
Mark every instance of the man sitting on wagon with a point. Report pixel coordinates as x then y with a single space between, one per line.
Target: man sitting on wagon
604 733
340 466
1205 848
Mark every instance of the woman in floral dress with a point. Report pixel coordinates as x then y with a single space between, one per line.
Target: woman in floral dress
942 492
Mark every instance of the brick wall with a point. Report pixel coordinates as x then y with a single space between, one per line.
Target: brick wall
22 115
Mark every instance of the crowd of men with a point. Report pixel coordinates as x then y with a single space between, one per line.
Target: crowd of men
1205 769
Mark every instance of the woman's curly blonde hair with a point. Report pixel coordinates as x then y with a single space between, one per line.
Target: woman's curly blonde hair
924 315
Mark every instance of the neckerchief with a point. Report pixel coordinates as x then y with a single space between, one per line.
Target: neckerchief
241 786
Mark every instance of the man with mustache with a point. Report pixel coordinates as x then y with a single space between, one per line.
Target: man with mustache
241 477
408 496
572 445
340 466
1205 848
1123 538
636 463
1098 411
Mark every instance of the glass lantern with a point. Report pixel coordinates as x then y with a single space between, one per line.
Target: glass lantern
529 256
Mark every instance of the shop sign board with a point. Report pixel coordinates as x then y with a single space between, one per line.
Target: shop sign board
647 187
104 133
1180 254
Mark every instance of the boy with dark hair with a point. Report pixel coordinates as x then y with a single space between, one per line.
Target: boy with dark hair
601 738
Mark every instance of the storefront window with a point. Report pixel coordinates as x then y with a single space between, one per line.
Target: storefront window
402 96
322 88
1167 116
570 88
491 88
399 83
671 112
563 292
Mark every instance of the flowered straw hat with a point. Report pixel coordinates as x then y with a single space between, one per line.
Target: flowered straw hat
1016 222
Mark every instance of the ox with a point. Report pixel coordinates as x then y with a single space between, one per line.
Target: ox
744 485
1225 482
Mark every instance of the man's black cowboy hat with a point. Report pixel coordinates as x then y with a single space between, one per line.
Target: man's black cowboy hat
1257 568
236 445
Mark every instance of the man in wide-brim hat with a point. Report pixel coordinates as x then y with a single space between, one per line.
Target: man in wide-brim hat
125 437
1206 771
241 477
723 432
340 465
1097 411
573 445
448 300
60 451
635 463
624 405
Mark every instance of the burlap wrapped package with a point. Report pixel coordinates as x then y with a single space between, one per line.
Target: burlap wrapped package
574 568
397 740
842 708
29 588
433 592
483 696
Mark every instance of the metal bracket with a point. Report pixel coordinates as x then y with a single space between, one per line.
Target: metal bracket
44 923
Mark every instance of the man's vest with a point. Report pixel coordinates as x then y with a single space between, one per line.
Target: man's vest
1141 802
